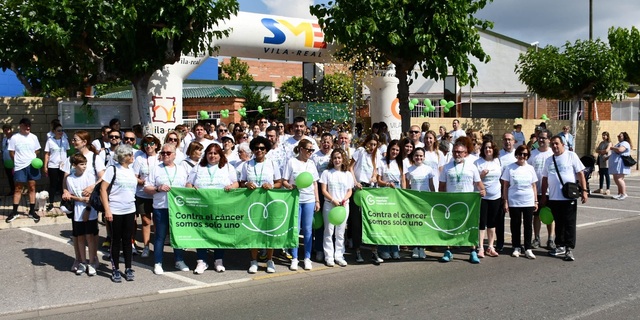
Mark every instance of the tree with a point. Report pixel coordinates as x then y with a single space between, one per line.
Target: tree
337 87
584 70
434 35
626 44
90 42
236 70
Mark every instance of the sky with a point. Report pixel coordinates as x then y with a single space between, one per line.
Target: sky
549 22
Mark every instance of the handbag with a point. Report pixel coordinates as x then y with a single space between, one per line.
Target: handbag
570 190
628 161
94 200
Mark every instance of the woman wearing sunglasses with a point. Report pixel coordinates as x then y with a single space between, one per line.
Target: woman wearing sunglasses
520 199
144 163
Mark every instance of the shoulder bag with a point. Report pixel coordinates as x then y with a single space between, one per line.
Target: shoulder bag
570 190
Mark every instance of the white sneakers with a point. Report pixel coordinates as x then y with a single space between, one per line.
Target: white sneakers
341 263
529 254
271 267
201 266
307 264
516 252
254 267
294 265
219 267
157 269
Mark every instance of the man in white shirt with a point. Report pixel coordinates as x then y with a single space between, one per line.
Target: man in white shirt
263 123
103 143
23 149
299 129
277 154
457 132
507 156
414 135
538 158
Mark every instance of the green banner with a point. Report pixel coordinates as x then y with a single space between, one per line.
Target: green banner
408 217
238 219
321 111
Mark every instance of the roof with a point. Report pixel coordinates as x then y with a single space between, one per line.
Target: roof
187 93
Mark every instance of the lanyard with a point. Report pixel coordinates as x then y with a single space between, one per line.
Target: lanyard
210 174
255 173
175 172
459 174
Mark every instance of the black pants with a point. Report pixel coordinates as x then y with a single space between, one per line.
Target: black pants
318 234
122 228
521 216
55 182
354 223
604 176
500 227
12 184
565 215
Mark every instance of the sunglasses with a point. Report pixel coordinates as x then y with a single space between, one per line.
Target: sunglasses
260 149
58 130
129 139
309 149
414 132
166 153
223 130
524 154
114 137
280 126
148 144
172 140
264 121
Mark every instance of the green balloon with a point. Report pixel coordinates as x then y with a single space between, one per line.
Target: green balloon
415 101
443 102
71 151
357 198
546 216
317 221
136 146
204 114
36 163
427 102
446 109
411 106
337 215
304 180
450 104
9 164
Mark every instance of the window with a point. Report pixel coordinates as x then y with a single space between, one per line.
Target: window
564 110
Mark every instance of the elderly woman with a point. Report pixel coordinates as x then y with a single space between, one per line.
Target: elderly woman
213 172
173 138
521 199
160 181
193 156
617 167
264 173
144 163
120 208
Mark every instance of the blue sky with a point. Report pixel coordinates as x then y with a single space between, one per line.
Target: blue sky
546 21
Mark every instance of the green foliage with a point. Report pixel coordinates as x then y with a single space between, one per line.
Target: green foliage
434 34
236 70
338 87
290 90
254 99
588 68
626 44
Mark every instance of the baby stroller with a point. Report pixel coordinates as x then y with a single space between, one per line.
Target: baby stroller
589 163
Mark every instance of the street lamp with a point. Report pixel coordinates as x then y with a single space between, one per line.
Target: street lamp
632 92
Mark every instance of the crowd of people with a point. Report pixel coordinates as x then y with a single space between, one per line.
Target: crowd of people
134 173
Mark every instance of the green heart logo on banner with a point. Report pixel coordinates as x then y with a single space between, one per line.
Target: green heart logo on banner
449 219
268 219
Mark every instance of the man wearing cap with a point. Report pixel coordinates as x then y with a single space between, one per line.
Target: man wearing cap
23 148
518 135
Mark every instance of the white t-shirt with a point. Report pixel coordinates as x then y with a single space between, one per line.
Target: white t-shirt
75 185
142 166
519 138
57 150
459 177
338 183
122 198
537 160
418 177
295 167
391 172
234 158
507 158
212 176
521 179
175 176
492 180
455 134
24 148
290 143
322 160
569 165
96 143
92 168
188 164
435 160
363 169
260 172
279 156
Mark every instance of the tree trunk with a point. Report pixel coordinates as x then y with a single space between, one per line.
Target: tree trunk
403 95
143 101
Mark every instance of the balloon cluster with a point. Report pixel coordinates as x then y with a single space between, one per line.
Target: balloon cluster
429 107
204 115
260 109
243 112
544 117
224 113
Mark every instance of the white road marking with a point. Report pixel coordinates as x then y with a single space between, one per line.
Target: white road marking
205 285
134 263
609 209
602 308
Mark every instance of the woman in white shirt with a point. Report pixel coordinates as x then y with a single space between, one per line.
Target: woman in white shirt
521 199
120 208
391 174
144 163
490 170
55 154
433 157
213 172
309 198
419 177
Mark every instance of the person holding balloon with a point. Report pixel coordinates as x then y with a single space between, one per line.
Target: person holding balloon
301 172
260 172
23 149
337 184
519 191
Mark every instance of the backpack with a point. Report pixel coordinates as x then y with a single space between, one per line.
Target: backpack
94 200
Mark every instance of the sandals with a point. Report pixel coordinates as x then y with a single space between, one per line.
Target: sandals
491 252
481 253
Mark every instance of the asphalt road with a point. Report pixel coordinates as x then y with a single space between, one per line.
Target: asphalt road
603 282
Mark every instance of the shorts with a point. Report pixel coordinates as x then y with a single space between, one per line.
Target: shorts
144 206
84 228
27 174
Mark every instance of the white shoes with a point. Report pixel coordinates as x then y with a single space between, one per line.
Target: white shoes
341 263
254 267
294 265
219 267
516 252
621 197
200 267
529 254
307 264
271 267
157 269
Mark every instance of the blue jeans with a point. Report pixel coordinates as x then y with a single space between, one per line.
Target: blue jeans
305 223
161 221
202 254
